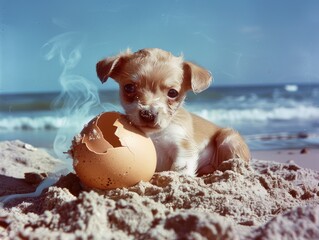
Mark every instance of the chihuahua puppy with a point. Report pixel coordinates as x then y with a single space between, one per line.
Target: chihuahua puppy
153 85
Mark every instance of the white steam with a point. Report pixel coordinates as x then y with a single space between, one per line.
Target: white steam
79 100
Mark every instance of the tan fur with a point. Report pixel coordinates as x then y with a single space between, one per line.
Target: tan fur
184 142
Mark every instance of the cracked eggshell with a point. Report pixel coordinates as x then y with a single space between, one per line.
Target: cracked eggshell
112 153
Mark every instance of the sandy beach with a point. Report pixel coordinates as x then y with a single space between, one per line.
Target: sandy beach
304 157
276 196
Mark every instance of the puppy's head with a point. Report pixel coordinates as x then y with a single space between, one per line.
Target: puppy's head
153 84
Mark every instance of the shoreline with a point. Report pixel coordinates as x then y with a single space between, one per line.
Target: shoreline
303 157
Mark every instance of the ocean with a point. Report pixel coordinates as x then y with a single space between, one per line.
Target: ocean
269 117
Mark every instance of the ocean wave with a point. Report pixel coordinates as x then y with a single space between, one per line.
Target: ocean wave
216 115
29 123
257 114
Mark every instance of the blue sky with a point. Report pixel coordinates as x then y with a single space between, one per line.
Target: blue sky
240 42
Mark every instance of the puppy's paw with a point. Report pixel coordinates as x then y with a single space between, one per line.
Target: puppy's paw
183 169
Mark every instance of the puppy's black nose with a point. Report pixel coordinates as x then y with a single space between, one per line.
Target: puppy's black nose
147 116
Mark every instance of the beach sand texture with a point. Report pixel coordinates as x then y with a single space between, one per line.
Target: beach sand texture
263 200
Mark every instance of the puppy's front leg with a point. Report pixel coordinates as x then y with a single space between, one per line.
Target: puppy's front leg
186 161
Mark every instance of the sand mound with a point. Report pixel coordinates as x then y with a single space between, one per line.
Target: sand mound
262 200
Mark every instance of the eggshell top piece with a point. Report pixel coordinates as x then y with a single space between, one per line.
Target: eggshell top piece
113 153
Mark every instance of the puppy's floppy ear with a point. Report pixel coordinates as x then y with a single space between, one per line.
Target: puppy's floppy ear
110 67
196 77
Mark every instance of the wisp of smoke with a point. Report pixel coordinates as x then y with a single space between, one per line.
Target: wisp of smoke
78 101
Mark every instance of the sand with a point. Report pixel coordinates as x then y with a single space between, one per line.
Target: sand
306 157
262 200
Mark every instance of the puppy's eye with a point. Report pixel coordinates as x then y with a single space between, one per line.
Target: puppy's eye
130 88
172 93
